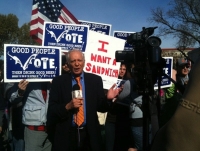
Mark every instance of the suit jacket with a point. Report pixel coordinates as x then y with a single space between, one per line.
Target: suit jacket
59 119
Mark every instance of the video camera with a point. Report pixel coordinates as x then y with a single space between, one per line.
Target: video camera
145 48
148 69
146 57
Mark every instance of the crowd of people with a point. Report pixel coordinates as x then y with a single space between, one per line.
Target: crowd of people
43 116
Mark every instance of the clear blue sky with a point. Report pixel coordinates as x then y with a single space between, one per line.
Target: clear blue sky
123 15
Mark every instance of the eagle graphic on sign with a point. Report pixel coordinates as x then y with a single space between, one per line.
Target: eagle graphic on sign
28 61
57 39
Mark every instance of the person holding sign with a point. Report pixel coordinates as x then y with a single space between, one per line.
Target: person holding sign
73 120
33 99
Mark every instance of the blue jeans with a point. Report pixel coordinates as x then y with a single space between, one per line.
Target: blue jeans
137 134
18 144
17 137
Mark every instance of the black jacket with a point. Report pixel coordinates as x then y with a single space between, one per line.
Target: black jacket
61 119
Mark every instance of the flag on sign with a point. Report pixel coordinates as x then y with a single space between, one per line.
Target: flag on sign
48 10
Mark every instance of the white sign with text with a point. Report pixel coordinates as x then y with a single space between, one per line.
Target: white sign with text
100 57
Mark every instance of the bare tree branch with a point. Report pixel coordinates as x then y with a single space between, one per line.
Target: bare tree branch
182 21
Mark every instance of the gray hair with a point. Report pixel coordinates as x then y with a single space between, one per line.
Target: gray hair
74 50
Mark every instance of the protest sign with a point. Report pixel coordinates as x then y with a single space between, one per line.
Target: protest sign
165 82
34 63
98 27
100 57
66 36
123 35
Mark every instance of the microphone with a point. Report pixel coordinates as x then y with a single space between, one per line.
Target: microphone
76 92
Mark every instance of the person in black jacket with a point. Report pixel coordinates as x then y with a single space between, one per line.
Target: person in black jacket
63 109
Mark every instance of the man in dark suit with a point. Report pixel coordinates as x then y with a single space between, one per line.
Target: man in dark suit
63 109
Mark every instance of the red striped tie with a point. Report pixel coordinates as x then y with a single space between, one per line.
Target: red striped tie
79 117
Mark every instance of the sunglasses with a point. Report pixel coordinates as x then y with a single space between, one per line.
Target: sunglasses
187 66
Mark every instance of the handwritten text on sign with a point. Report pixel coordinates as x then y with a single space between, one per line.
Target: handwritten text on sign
100 57
103 60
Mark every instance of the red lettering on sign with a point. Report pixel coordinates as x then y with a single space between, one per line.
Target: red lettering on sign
99 58
101 70
102 46
114 62
93 57
88 67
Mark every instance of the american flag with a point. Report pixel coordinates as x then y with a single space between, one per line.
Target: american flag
51 11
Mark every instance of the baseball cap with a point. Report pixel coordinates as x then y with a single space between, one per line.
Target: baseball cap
182 62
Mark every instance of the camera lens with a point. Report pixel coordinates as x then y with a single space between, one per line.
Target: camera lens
154 41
